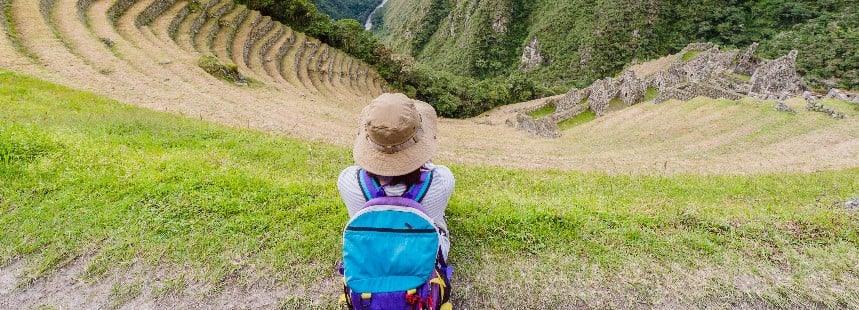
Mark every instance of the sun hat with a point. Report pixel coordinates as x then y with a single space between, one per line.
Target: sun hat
396 135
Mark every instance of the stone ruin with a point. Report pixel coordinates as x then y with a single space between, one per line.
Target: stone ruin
711 73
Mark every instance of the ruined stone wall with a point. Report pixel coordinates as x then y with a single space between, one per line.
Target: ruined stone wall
709 74
663 80
777 79
540 127
572 99
679 93
174 23
712 91
747 63
281 31
631 88
602 91
560 116
699 47
201 19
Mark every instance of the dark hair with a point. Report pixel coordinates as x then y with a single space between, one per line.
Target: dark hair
406 179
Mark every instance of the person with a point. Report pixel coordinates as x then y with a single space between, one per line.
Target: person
395 145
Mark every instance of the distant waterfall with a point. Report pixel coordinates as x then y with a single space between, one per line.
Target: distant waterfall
369 23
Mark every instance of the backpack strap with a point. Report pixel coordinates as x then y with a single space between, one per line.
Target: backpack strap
371 188
418 191
395 201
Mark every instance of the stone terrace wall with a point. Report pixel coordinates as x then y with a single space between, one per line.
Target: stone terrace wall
153 11
543 127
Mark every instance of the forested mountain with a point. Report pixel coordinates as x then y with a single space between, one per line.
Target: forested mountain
573 42
467 56
351 9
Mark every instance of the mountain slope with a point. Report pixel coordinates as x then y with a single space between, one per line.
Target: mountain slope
576 42
353 9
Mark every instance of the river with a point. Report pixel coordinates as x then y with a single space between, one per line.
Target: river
369 23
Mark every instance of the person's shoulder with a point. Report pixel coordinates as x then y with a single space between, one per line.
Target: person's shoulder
440 172
349 172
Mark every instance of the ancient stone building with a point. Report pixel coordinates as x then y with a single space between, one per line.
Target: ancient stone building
711 73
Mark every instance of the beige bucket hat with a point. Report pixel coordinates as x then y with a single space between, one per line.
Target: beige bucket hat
396 135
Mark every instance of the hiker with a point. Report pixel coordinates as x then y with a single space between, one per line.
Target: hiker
393 150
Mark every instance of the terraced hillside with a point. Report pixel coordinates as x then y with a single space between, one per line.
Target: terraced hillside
146 53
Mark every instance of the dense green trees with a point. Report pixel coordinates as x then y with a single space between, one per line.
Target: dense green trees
348 9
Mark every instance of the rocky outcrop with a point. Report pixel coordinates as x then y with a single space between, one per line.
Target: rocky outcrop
531 58
816 106
842 95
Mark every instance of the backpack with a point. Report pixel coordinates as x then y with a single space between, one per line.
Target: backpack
391 255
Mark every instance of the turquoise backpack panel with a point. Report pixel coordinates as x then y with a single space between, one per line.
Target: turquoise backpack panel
388 249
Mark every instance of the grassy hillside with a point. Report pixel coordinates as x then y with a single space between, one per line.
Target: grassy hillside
581 41
87 179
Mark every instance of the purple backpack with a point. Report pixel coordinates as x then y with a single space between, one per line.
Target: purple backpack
391 255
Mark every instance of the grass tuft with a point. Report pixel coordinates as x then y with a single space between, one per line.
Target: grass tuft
226 72
689 55
121 293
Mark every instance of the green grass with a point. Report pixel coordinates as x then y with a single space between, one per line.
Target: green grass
848 108
616 104
544 111
579 119
687 56
650 94
83 176
741 76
